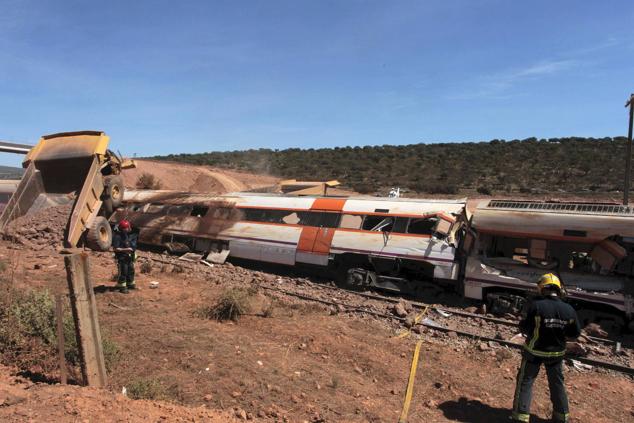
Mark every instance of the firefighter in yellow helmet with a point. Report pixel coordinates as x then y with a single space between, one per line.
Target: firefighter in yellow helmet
547 324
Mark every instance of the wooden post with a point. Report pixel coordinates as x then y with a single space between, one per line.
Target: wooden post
82 300
59 315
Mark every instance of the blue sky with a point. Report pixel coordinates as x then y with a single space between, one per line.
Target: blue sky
167 77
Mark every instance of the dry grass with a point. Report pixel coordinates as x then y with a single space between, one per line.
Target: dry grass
148 181
232 304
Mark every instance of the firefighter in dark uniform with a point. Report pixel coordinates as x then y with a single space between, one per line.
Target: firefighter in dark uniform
124 241
547 324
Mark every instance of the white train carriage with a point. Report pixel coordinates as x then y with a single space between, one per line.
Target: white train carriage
391 237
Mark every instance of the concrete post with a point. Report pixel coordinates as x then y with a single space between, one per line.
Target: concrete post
84 307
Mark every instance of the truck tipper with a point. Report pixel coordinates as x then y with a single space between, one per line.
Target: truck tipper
72 167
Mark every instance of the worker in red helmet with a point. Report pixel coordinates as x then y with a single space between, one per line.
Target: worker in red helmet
124 241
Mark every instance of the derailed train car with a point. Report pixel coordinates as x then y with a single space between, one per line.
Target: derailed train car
497 255
381 242
589 245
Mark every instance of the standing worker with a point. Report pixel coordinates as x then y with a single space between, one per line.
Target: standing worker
124 242
548 322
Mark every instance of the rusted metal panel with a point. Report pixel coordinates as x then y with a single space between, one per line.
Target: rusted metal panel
29 188
87 204
69 145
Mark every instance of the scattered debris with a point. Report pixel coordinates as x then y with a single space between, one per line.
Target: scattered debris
191 257
442 312
217 258
576 348
483 346
581 366
429 322
399 309
518 338
593 329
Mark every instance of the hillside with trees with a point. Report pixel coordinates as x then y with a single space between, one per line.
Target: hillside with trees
531 166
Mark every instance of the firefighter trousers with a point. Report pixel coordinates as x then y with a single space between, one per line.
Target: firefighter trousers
125 265
524 389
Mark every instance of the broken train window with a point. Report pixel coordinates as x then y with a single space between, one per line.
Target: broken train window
199 211
351 221
378 223
422 226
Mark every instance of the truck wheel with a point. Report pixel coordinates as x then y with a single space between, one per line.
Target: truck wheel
99 235
114 189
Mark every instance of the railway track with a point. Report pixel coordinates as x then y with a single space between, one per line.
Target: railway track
445 319
451 310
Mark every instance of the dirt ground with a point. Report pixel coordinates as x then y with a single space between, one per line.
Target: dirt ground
286 360
21 400
192 178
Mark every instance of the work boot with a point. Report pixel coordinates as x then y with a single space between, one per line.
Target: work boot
124 290
132 285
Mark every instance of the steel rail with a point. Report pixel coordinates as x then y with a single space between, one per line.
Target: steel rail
421 305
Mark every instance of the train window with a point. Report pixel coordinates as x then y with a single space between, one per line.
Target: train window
219 213
274 216
199 211
304 218
351 221
178 210
253 215
328 220
308 218
154 208
423 226
378 223
400 225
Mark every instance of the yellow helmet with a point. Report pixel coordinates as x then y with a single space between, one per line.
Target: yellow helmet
549 280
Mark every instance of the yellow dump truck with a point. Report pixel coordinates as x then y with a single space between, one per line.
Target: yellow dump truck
72 167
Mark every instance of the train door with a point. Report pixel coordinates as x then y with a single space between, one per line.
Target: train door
318 231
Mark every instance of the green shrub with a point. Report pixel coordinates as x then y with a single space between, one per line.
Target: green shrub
484 190
146 388
28 332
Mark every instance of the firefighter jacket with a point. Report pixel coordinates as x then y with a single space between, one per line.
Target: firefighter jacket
121 239
548 322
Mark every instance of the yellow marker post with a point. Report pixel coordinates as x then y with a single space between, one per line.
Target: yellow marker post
410 384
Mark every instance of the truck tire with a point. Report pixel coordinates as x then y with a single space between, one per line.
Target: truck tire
113 190
99 235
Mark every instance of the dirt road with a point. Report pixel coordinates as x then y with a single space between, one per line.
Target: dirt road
193 178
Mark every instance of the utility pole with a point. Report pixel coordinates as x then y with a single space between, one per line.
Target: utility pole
628 159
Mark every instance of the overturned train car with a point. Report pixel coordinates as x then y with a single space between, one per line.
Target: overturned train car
496 255
369 241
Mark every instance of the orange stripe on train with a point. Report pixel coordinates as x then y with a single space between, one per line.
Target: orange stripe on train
330 204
